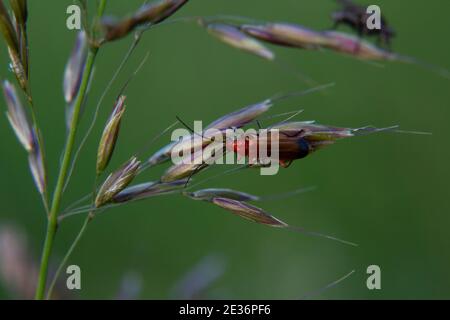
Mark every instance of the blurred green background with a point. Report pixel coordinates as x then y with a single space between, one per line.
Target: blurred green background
387 192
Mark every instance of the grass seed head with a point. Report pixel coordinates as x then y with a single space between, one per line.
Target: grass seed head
158 11
8 30
18 70
17 117
110 135
356 47
149 14
14 33
162 155
117 181
310 137
240 118
248 211
184 169
37 167
20 10
236 119
287 34
232 36
73 73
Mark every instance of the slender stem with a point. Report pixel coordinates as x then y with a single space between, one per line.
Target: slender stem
89 217
56 202
52 222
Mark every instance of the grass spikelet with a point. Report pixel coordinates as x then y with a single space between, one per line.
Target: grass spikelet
117 181
160 156
149 14
356 47
17 117
248 211
147 190
232 36
18 70
235 119
15 35
73 72
185 169
20 10
110 135
286 34
8 30
240 118
210 194
27 135
258 215
37 167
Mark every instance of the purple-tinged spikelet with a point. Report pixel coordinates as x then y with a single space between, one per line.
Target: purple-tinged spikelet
240 118
210 194
236 119
150 14
73 73
117 181
287 34
147 190
234 37
356 47
110 135
185 169
18 118
37 167
249 212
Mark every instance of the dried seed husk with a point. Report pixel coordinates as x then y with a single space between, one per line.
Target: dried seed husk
110 135
117 181
249 212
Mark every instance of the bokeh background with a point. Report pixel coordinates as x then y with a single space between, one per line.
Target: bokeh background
387 192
